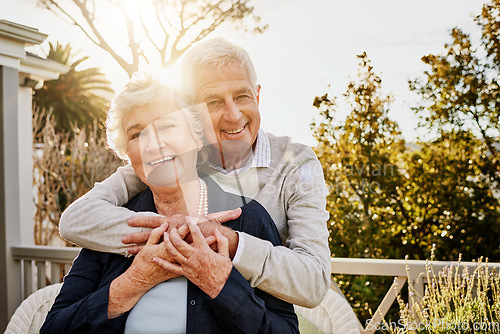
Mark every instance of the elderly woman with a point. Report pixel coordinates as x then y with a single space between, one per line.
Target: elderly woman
108 293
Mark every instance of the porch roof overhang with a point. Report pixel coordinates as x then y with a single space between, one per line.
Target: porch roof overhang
41 69
15 37
21 33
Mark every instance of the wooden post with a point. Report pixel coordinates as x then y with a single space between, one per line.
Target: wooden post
18 72
10 270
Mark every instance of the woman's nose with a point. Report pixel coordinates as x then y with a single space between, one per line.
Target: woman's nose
151 141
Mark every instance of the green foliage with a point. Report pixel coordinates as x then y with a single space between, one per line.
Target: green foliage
489 21
360 159
387 200
458 174
76 98
452 203
460 91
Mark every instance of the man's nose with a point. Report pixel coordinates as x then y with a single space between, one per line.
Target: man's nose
232 111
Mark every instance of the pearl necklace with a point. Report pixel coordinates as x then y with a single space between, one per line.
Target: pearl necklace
203 205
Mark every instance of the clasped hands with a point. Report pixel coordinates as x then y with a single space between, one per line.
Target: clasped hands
199 249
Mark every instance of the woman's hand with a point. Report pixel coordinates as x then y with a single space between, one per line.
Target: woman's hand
138 239
207 269
144 271
142 275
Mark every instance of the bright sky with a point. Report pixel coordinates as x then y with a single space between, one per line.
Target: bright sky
310 45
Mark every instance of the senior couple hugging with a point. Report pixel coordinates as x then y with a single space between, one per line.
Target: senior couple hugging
214 226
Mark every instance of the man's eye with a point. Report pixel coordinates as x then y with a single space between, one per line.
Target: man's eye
213 102
243 96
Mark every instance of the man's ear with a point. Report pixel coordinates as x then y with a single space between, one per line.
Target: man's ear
258 93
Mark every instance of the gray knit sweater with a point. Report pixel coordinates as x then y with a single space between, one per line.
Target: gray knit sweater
292 190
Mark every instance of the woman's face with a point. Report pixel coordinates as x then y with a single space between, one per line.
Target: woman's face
160 144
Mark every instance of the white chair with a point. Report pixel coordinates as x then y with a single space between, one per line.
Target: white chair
333 315
30 315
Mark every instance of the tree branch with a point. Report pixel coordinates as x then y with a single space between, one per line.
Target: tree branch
73 20
102 43
193 16
132 43
146 32
176 53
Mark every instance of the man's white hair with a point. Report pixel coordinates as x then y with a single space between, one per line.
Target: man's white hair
209 54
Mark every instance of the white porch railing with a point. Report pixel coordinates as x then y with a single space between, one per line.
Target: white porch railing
43 265
402 271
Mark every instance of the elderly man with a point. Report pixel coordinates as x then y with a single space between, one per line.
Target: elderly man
285 177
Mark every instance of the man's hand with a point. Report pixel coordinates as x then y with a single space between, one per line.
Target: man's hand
208 228
140 238
207 269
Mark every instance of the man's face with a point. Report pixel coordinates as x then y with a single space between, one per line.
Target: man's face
233 106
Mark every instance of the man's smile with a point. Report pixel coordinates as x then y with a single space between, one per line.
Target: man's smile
232 132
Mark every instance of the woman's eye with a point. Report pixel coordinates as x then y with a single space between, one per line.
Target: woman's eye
164 128
134 135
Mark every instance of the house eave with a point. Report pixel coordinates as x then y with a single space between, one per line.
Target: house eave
42 69
21 33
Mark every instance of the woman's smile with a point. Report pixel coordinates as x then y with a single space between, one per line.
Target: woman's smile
161 160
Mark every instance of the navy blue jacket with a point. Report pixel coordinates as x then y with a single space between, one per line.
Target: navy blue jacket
82 305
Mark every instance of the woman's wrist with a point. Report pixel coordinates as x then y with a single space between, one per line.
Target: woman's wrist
124 292
215 286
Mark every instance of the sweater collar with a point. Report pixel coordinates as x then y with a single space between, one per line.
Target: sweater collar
261 156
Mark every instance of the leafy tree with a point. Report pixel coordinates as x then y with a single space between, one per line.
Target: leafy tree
76 98
155 31
450 200
460 91
360 158
389 200
70 151
458 174
489 21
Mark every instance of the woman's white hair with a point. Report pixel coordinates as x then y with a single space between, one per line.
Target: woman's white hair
213 53
141 90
